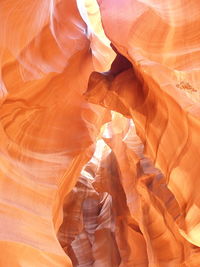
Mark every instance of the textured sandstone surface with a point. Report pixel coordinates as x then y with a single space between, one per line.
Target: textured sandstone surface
99 133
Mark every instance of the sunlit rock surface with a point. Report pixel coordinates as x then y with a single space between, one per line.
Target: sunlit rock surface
80 184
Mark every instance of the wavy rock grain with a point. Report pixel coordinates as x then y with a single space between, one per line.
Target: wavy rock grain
136 202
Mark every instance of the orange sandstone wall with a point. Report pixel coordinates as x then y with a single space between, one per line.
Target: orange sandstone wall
55 95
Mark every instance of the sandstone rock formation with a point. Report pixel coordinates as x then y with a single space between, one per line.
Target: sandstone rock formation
99 127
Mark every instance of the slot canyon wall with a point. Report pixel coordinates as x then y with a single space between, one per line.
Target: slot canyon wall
99 133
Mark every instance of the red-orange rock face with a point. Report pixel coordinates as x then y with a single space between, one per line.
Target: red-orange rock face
81 185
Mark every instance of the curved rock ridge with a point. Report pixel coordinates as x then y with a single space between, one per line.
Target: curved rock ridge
161 110
143 209
81 185
47 127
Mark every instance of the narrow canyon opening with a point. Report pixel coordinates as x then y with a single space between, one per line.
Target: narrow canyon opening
102 212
